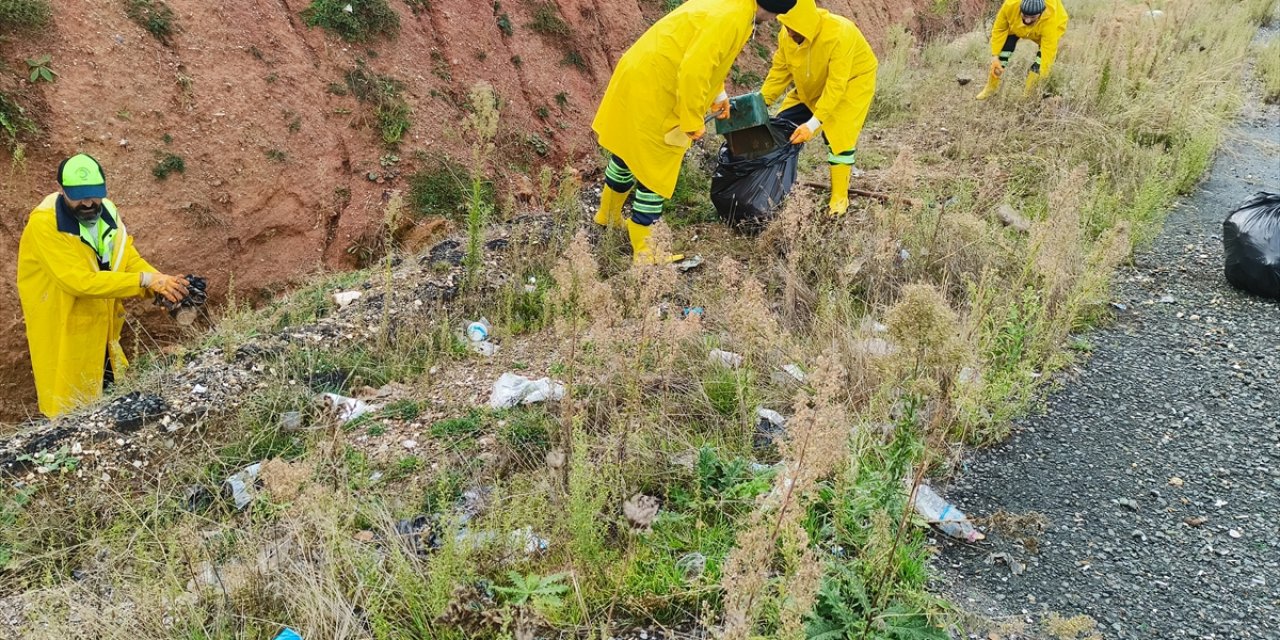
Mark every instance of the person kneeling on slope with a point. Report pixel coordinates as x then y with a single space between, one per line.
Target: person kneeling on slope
656 103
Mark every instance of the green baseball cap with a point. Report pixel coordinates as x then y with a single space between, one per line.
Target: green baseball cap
82 177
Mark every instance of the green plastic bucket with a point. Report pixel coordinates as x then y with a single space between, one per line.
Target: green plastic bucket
745 111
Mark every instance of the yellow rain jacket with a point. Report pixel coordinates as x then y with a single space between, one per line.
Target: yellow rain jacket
665 84
1046 32
72 308
834 72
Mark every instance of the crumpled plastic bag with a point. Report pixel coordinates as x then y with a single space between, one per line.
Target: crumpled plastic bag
346 409
242 485
511 390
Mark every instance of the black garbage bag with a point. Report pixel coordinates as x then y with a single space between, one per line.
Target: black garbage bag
1251 245
748 192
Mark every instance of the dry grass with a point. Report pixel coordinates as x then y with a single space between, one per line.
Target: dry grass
1268 68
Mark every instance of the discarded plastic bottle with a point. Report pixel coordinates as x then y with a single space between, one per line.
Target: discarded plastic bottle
288 634
949 519
478 331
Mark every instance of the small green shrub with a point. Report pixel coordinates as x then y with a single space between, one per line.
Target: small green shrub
166 164
39 68
20 15
463 426
574 59
14 122
547 22
443 188
383 93
276 155
505 26
405 410
366 19
155 16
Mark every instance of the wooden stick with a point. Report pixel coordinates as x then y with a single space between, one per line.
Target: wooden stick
882 197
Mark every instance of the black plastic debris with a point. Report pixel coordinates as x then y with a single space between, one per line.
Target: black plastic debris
1251 245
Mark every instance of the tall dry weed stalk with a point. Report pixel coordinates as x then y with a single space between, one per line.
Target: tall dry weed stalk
746 313
788 234
580 300
927 330
1056 243
775 540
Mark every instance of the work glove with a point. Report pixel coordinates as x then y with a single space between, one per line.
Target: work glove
721 106
805 132
997 69
171 288
696 135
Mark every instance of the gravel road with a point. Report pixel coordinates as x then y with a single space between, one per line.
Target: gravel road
1157 466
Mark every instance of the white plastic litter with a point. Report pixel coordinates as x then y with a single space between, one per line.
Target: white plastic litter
950 519
242 485
344 298
346 409
795 372
725 358
772 416
511 390
689 263
523 539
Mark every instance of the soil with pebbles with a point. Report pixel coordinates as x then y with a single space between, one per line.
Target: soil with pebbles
1157 465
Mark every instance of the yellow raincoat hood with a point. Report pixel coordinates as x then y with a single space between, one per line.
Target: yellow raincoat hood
803 19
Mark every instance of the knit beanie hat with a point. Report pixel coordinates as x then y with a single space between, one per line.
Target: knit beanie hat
1032 7
783 6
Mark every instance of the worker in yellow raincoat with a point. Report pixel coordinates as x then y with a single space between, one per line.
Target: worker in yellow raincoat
76 263
833 71
657 101
1041 21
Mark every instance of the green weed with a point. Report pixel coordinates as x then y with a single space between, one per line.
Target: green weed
15 124
391 112
23 15
367 19
438 189
155 17
166 164
547 22
39 68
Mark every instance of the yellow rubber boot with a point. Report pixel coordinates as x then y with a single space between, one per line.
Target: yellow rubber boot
610 212
839 189
993 85
1033 80
641 251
